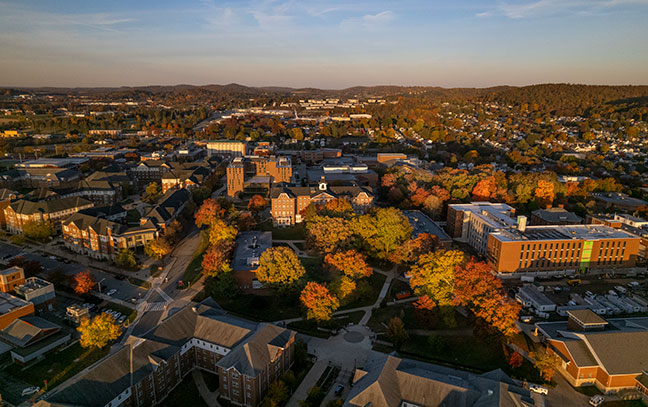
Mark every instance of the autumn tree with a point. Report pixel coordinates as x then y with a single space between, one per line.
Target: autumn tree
38 229
84 282
544 192
515 360
382 231
126 258
396 332
546 363
484 189
479 290
99 331
327 234
257 203
220 231
209 212
350 263
279 266
412 249
337 208
433 278
216 259
157 248
319 302
152 192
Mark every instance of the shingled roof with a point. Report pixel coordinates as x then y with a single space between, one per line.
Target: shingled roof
387 381
25 207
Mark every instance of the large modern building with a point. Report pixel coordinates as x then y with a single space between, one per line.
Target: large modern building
230 148
631 224
246 356
561 248
288 202
472 223
510 245
609 354
257 174
388 381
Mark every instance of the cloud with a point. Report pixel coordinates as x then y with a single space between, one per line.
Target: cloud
543 8
369 21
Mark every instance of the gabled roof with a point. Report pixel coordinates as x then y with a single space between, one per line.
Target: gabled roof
168 205
7 194
113 375
28 330
264 346
387 381
55 205
619 352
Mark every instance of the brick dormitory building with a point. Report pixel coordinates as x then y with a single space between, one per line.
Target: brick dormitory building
246 356
257 174
510 245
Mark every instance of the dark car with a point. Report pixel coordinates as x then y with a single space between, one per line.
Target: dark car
339 389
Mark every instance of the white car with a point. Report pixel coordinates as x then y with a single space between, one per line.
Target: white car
30 390
111 291
539 389
597 400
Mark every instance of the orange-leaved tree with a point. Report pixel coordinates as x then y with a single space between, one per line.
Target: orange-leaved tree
99 331
209 212
216 259
257 203
479 290
83 282
319 302
484 189
544 193
350 263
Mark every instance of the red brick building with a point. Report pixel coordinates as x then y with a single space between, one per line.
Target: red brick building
246 356
287 203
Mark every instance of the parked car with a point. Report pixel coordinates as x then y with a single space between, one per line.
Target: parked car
111 291
526 318
589 293
539 389
30 390
339 389
120 277
597 400
122 319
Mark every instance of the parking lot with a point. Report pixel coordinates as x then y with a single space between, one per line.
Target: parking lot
125 291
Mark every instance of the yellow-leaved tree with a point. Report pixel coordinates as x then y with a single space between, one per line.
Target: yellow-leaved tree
99 331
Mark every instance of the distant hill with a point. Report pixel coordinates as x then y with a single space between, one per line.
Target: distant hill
554 97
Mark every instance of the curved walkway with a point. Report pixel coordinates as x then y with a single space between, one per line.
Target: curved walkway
210 397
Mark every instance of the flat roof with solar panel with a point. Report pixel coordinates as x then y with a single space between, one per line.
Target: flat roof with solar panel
567 232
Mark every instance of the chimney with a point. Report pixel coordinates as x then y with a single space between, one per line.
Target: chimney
521 223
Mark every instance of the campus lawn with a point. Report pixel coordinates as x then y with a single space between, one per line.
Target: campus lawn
59 366
194 270
309 327
412 318
185 394
262 308
296 232
368 296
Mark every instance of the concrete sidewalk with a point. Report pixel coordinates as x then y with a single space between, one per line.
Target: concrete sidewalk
308 383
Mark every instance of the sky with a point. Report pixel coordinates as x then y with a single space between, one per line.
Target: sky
326 44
